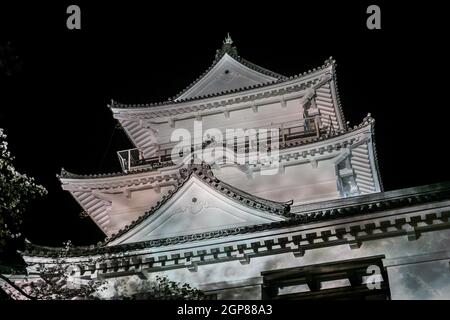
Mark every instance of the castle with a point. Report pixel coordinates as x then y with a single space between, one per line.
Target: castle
289 206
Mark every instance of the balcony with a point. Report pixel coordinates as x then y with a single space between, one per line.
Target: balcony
294 133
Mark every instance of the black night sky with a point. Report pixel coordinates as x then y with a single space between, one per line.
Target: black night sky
54 107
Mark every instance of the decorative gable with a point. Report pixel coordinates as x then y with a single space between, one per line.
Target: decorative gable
197 206
227 74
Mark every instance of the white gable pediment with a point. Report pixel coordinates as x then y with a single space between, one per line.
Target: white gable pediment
227 74
194 208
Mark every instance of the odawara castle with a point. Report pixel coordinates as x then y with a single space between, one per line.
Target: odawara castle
251 184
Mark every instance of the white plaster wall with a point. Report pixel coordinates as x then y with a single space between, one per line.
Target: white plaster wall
301 182
252 292
429 280
266 115
195 208
424 281
125 209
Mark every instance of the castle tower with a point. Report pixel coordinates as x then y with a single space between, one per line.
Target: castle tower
268 194
316 157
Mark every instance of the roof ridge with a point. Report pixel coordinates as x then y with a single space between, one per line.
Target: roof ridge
258 68
232 52
280 79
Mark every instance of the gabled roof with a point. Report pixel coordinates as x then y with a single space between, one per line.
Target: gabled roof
262 210
329 63
363 205
228 72
225 56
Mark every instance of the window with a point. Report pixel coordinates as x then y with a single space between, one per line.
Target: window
357 279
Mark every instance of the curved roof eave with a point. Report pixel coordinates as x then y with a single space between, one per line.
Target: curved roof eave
121 107
68 177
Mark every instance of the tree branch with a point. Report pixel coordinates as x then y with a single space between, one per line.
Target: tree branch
12 284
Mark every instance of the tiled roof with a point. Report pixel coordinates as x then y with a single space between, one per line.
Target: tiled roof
234 55
205 173
69 175
303 214
232 52
375 157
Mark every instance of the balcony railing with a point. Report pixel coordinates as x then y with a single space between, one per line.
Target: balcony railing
134 159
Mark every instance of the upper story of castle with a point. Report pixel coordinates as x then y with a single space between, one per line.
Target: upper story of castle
233 94
266 135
